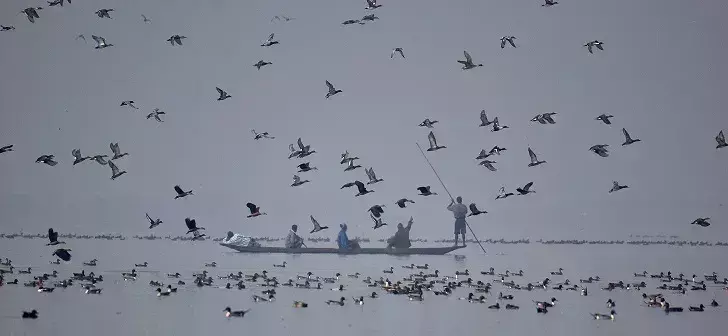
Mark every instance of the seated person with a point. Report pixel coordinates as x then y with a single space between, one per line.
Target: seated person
240 240
401 238
293 241
343 240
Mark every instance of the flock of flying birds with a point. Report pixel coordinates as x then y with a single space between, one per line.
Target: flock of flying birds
302 150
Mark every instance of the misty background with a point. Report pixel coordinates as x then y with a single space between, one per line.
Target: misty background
662 75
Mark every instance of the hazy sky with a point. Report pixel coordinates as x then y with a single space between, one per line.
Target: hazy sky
662 75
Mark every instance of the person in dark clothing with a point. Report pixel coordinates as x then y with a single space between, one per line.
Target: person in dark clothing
401 238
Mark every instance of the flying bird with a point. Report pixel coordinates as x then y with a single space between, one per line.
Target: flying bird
153 222
304 167
297 181
104 13
534 158
192 225
261 64
402 202
428 123
377 222
468 62
345 158
5 149
503 194
433 143
351 166
305 150
80 36
117 152
53 238
605 118
332 90
508 39
100 159
526 189
595 43
482 155
55 3
488 164
31 13
397 50
47 159
282 16
223 95
549 3
484 119
269 42
63 254
720 139
7 28
115 170
425 191
496 125
258 136
702 222
377 210
145 20
316 226
496 150
474 211
370 17
600 150
372 176
181 193
348 22
627 139
362 189
617 187
254 210
176 39
78 157
294 152
155 114
101 42
129 103
372 4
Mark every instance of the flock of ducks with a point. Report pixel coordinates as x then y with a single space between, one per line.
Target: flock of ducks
416 283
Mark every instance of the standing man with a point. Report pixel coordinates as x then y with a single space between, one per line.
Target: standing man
459 210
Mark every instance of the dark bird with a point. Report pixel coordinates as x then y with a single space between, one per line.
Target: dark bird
600 150
348 185
702 222
617 187
145 20
468 62
502 193
32 13
397 50
372 4
372 176
53 238
104 13
370 17
223 95
402 202
496 125
176 39
425 191
508 39
496 150
316 226
181 193
332 90
237 313
526 189
63 254
153 222
361 188
534 158
78 158
254 210
605 118
47 159
482 155
428 123
129 103
488 164
5 149
348 22
304 167
33 314
549 3
192 225
377 210
345 158
297 181
594 43
258 136
269 42
115 149
7 28
261 64
627 139
474 211
720 139
55 3
484 119
377 222
100 42
351 166
433 143
155 114
115 172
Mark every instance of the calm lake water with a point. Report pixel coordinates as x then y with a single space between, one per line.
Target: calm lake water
131 308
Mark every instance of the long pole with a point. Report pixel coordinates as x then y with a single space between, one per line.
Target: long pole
448 193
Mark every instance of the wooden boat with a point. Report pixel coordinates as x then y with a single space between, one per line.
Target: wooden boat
331 250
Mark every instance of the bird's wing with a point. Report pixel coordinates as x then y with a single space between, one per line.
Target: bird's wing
467 57
511 42
76 153
392 55
114 168
291 148
251 207
220 91
360 186
496 123
270 37
331 86
532 155
149 218
483 117
114 148
626 135
599 46
401 52
296 179
720 138
527 186
178 189
503 43
96 38
371 172
300 144
431 138
190 224
315 222
473 208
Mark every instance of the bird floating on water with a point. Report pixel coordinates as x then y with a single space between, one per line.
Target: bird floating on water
468 62
181 193
433 143
223 95
332 90
104 13
397 50
297 181
534 158
176 39
254 210
153 222
617 187
508 39
101 42
316 226
269 42
261 64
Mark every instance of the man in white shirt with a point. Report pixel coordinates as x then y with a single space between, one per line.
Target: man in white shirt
459 210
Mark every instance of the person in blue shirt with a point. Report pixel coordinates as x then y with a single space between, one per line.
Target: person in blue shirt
343 240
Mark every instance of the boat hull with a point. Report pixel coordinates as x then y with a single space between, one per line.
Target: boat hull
327 250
